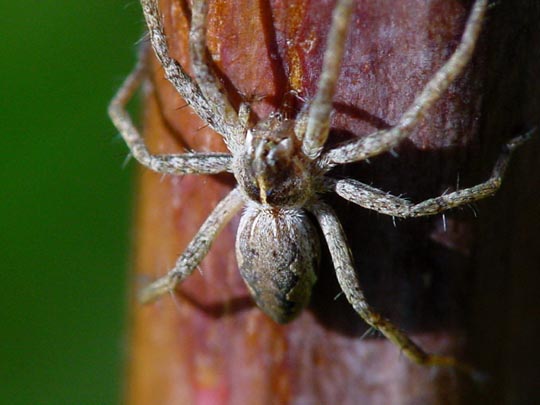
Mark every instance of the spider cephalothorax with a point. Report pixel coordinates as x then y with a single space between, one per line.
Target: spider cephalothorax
271 167
281 166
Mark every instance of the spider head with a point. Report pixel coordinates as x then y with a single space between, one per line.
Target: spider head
271 169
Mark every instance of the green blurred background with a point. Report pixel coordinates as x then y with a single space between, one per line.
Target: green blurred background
65 200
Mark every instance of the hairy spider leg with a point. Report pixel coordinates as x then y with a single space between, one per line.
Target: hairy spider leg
318 116
190 90
348 280
384 203
382 141
184 163
197 249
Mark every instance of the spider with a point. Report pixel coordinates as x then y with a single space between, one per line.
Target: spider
281 167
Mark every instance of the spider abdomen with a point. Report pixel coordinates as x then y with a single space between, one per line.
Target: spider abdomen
278 251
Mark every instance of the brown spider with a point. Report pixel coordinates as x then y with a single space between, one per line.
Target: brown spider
281 169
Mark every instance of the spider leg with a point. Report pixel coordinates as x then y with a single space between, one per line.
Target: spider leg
377 200
318 121
185 86
197 248
382 141
300 124
209 84
200 163
346 275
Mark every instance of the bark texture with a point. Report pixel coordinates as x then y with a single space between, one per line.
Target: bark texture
466 290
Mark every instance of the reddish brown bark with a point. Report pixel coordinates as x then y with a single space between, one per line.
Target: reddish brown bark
209 344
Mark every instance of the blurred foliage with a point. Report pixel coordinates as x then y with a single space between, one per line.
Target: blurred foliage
65 200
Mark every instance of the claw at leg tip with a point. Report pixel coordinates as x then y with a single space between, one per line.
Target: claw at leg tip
155 290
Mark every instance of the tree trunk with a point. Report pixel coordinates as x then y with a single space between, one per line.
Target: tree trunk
459 289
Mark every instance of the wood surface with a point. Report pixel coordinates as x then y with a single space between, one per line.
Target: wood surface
466 290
